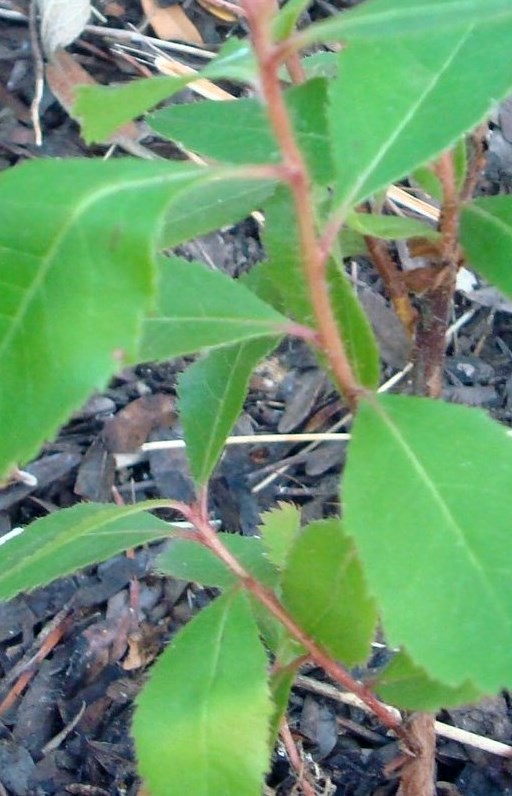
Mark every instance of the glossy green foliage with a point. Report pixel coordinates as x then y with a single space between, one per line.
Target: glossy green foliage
407 686
426 498
279 528
211 206
211 395
200 308
202 721
190 561
284 270
486 235
426 525
424 92
389 227
425 178
76 283
324 590
380 19
283 24
70 539
102 109
202 127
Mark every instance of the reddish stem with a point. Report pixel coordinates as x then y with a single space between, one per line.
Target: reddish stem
296 176
435 304
266 597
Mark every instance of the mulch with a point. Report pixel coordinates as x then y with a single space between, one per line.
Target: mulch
74 654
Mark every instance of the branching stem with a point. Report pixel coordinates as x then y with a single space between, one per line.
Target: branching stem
208 537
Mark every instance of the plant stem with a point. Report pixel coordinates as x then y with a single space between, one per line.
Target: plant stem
196 515
258 15
436 302
394 283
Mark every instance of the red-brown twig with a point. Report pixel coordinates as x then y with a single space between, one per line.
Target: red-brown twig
198 517
49 638
435 304
259 14
394 283
295 760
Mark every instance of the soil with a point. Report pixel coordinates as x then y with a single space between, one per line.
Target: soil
73 655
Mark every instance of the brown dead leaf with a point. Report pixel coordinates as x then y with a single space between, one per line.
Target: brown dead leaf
221 11
130 427
171 22
394 344
205 88
143 646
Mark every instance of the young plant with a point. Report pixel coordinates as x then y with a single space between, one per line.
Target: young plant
424 540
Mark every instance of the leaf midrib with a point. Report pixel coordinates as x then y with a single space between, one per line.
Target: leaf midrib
443 507
406 119
48 260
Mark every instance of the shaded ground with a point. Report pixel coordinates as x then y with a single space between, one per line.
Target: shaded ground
73 655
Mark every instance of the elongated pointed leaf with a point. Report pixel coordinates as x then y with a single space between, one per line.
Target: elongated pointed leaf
324 590
76 282
211 395
424 92
239 132
407 686
202 722
198 308
486 235
390 227
102 109
284 270
288 16
211 207
281 683
67 540
426 498
191 561
378 19
278 528
320 64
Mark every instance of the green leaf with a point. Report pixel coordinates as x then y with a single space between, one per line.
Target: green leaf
278 528
284 269
239 132
212 206
100 110
426 498
284 22
211 396
486 235
76 283
379 19
67 540
324 590
428 182
190 561
320 64
407 686
202 721
281 683
260 281
423 93
198 308
390 227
